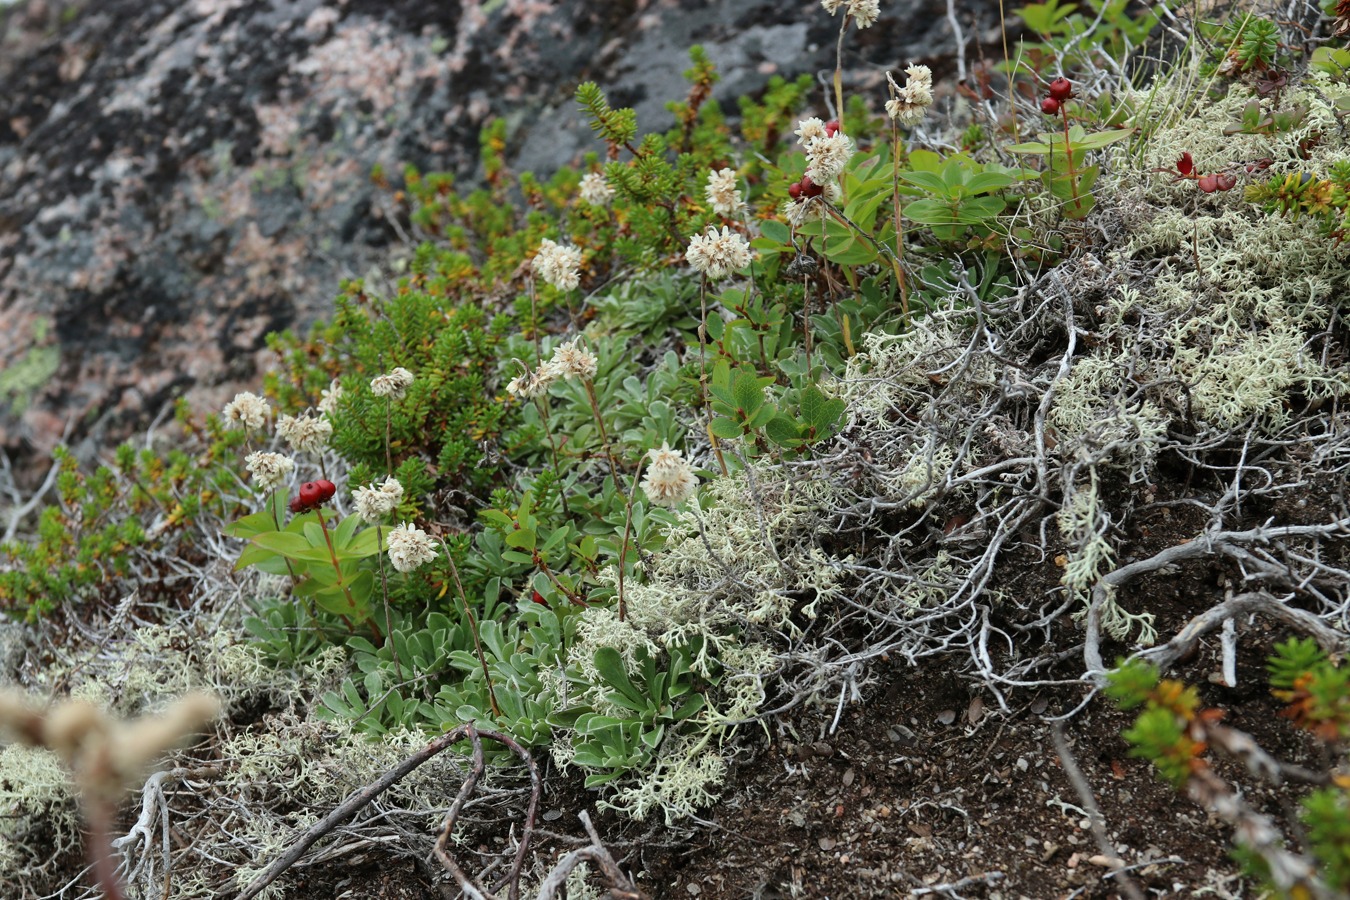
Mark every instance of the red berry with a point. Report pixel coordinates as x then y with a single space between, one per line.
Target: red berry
311 495
1050 106
1186 165
1225 181
326 489
1209 183
539 598
1061 89
296 505
810 188
795 191
832 127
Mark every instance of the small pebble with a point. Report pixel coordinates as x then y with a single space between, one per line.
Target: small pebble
946 717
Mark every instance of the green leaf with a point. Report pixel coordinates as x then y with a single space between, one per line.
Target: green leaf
724 428
775 231
1101 139
783 430
342 534
985 182
749 393
292 545
929 181
609 664
366 543
524 538
1030 147
819 411
762 416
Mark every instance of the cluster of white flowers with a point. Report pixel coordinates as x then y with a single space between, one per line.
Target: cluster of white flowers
247 411
558 264
374 503
910 102
718 254
826 153
529 384
723 192
864 12
670 479
595 190
394 385
328 400
306 434
410 547
571 359
269 470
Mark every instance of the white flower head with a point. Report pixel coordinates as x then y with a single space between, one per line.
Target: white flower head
269 470
410 547
864 12
909 103
529 384
669 480
723 192
247 411
595 189
393 385
374 503
808 130
558 264
571 359
826 157
306 434
329 398
718 254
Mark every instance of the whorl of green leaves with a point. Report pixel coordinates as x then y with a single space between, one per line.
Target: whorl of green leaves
617 126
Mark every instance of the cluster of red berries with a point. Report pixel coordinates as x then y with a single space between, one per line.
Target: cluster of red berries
1221 181
806 187
313 494
1061 89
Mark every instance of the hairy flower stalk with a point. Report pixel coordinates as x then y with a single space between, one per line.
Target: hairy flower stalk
907 105
571 359
473 629
373 504
393 386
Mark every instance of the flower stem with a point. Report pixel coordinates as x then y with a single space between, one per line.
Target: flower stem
384 590
899 233
332 555
1068 157
600 422
627 531
703 367
473 629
